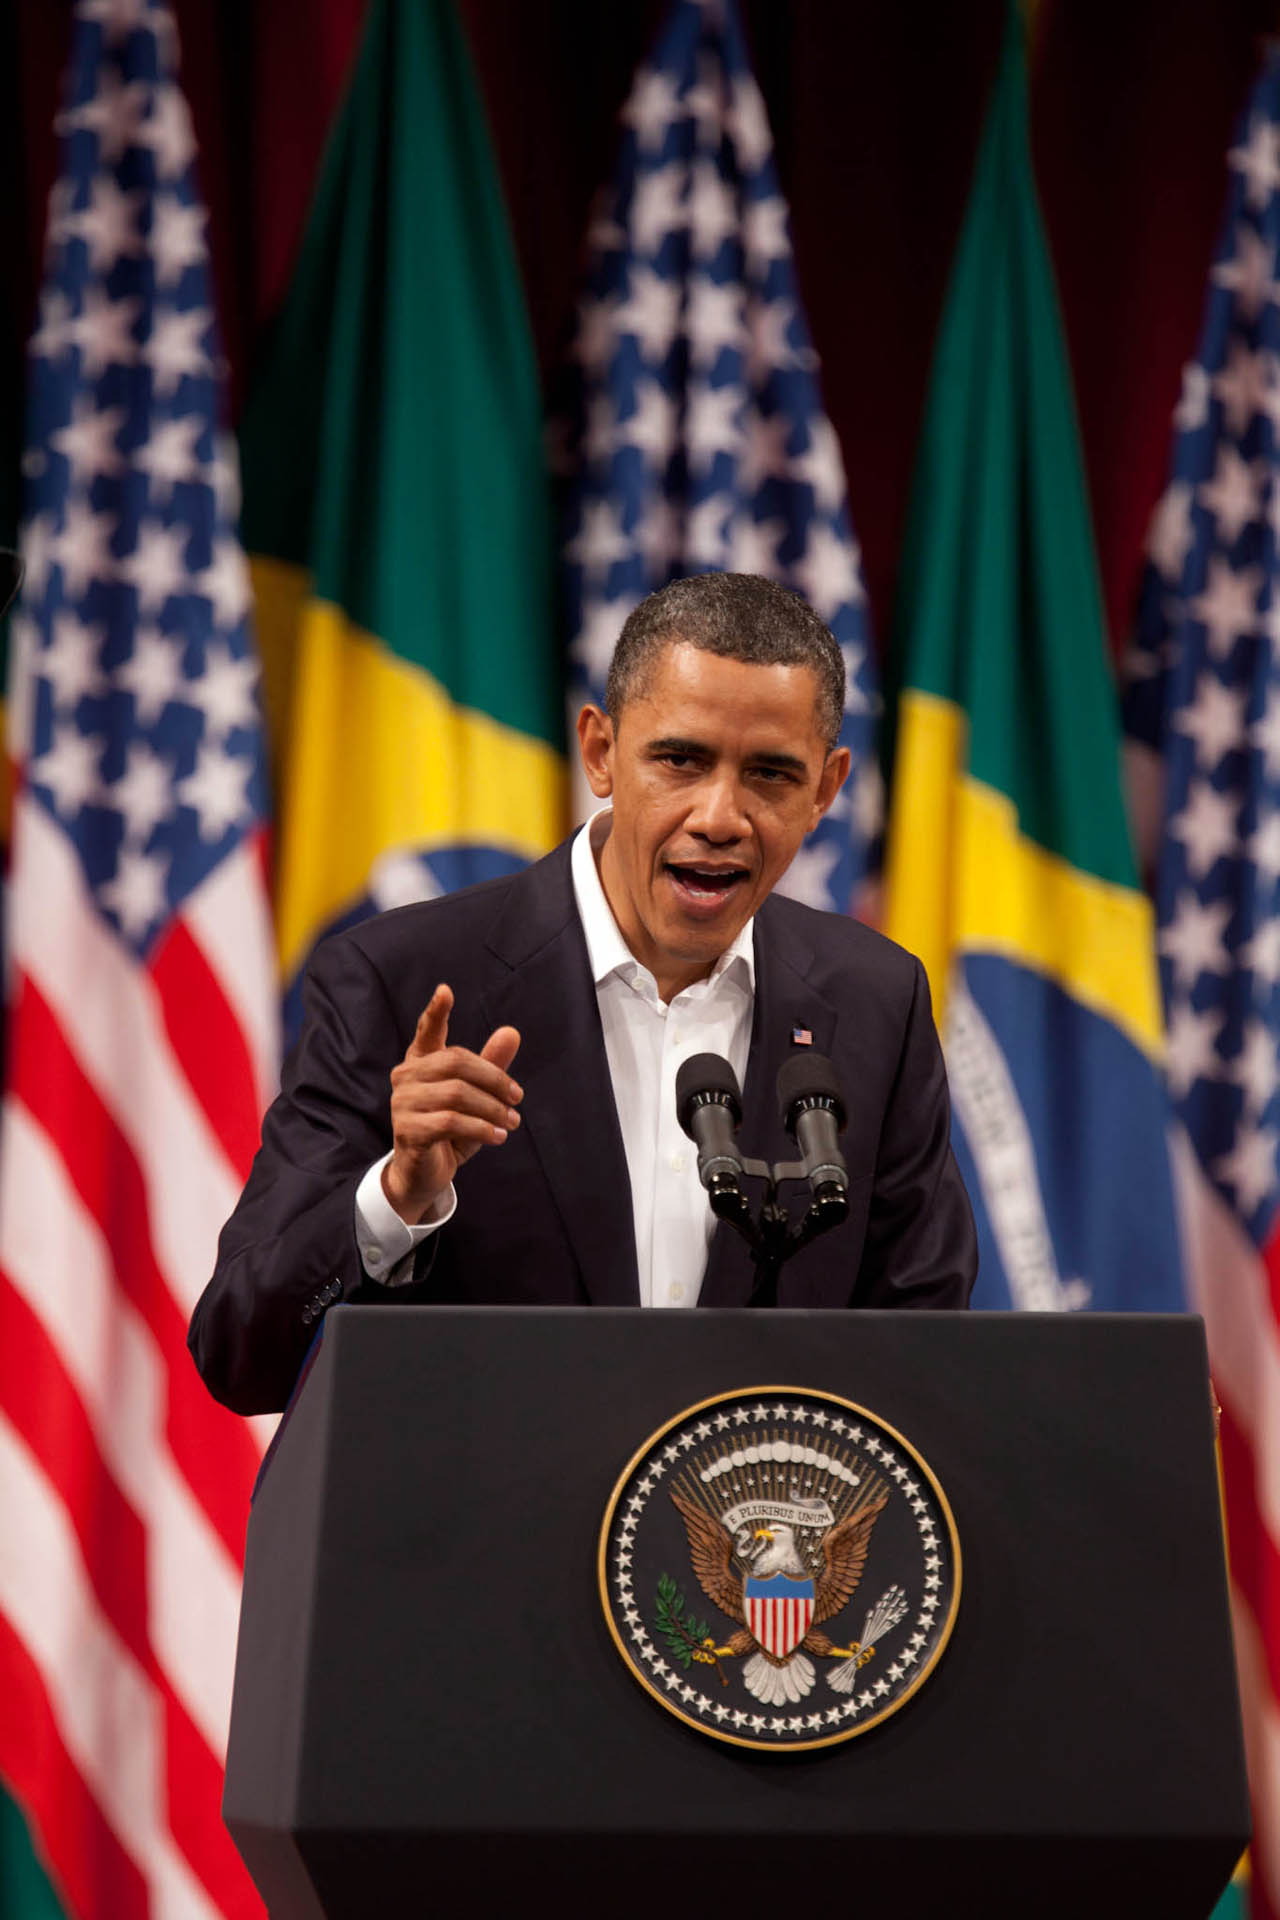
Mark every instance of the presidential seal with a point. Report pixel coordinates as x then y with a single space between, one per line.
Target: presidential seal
779 1568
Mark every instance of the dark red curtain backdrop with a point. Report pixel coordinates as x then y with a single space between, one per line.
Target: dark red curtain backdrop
876 108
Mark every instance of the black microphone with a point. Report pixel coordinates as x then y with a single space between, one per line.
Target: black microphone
709 1106
813 1114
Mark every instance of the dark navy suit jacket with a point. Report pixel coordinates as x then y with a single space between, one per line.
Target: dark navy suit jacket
546 1218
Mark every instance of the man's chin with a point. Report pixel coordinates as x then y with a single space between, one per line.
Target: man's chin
697 944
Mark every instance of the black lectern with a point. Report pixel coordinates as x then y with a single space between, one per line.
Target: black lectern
430 1715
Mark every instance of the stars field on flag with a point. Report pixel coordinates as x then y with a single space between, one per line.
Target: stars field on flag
1203 682
691 434
145 744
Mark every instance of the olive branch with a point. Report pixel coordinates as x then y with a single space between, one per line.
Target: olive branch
688 1639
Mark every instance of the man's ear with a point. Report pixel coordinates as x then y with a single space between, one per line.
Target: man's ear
835 772
595 743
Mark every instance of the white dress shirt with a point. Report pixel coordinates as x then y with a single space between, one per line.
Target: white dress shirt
645 1042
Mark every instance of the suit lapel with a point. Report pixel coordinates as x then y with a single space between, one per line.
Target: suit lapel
784 1001
568 1108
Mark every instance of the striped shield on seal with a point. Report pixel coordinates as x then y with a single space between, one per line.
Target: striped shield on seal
779 1611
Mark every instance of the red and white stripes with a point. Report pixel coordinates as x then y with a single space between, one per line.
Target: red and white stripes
779 1623
1238 1293
134 1096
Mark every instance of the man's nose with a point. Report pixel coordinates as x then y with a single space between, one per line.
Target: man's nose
718 813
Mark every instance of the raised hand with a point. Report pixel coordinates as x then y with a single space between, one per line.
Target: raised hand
446 1103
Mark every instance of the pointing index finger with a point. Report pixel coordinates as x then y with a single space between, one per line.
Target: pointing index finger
433 1024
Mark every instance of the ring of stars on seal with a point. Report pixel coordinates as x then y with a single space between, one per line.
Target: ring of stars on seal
779 1568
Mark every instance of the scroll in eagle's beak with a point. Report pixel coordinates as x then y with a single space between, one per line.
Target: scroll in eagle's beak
763 1533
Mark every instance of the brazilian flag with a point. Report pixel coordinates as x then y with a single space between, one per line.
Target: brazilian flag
397 514
1010 869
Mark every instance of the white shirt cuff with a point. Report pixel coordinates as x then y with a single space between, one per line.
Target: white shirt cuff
386 1242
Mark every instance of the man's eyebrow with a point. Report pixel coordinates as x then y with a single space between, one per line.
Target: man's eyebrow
788 762
672 743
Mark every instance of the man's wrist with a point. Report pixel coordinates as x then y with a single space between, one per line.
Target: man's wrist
412 1211
386 1241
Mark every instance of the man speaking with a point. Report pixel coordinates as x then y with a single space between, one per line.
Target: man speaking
481 1106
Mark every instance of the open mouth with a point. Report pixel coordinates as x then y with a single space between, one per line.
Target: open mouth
705 886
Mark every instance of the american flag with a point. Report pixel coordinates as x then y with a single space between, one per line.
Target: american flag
1202 705
692 433
143 1020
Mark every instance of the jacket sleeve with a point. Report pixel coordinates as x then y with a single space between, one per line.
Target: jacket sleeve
921 1249
289 1250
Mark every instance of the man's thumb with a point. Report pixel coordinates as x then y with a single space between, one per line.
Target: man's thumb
501 1047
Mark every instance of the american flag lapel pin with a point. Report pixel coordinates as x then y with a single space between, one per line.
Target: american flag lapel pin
801 1037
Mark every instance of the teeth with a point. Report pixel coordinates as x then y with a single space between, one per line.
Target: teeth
706 879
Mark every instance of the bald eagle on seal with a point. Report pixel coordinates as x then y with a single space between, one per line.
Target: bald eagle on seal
723 1566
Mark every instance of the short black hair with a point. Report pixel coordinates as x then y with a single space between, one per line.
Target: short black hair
739 616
